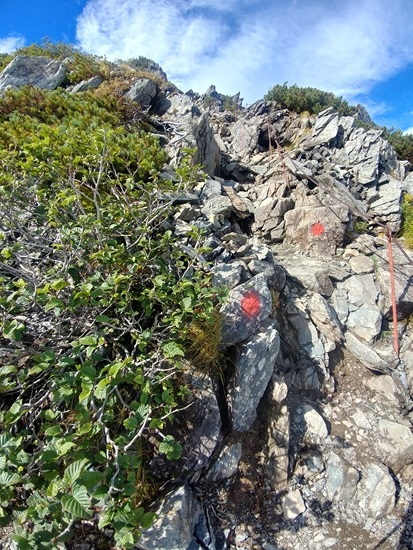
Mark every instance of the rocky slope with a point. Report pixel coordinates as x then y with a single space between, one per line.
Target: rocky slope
305 438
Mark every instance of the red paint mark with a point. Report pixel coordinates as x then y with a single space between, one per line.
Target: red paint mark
317 229
251 304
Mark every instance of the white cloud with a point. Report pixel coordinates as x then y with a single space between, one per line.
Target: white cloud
11 43
250 45
409 131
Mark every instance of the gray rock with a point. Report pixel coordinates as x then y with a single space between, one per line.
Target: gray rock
197 428
325 128
245 135
362 151
306 332
217 206
361 290
227 274
247 306
315 427
181 105
207 151
293 505
210 189
297 169
276 461
143 91
341 479
269 214
385 390
253 370
34 70
324 318
397 444
361 264
85 85
384 203
376 491
365 354
227 463
242 206
317 230
365 322
237 238
178 514
259 266
312 275
403 275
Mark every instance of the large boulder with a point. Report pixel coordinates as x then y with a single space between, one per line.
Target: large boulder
179 515
143 91
253 370
39 71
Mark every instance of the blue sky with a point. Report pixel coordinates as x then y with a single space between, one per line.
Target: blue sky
359 49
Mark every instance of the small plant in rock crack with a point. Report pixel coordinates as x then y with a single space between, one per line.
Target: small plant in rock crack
94 308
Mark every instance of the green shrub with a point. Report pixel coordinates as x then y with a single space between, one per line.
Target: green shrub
407 219
402 143
298 99
95 305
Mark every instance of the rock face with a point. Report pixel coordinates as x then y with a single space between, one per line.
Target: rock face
38 71
313 402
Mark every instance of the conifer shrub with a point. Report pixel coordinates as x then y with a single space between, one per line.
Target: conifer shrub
299 99
402 143
95 306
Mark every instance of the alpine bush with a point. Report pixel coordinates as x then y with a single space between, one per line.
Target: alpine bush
299 99
96 301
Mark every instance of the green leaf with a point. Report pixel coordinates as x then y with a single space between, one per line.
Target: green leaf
64 447
74 470
7 478
106 517
147 520
88 371
2 462
187 304
59 284
89 340
115 368
172 349
170 448
130 423
103 319
78 503
53 431
54 303
13 330
49 414
101 389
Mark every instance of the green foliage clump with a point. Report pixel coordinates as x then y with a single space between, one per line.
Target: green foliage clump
96 297
402 143
299 99
407 219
